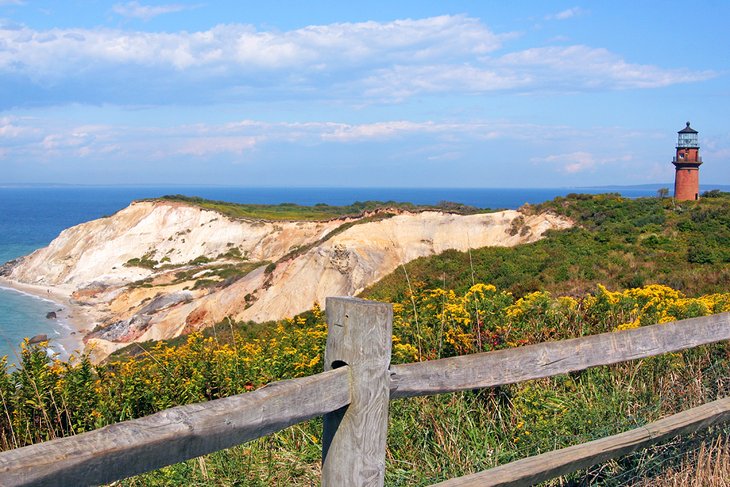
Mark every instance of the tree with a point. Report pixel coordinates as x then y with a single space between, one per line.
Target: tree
662 192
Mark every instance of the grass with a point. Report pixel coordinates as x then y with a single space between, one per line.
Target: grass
146 262
272 460
705 466
221 274
318 212
216 274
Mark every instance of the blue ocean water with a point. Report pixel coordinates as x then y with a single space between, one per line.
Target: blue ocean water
30 217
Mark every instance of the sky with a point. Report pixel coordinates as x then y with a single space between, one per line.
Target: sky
378 93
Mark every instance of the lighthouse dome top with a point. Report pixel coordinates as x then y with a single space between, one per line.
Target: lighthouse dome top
687 130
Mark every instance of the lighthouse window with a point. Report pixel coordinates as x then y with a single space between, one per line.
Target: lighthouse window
681 156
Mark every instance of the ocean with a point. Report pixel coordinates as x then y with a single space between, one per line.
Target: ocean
30 217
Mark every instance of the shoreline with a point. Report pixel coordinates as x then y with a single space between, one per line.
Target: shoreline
73 322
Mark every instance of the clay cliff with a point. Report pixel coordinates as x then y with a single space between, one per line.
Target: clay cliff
158 269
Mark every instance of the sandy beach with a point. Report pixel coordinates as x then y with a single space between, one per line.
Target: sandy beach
74 321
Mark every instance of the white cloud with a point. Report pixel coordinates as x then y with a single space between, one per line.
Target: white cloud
147 12
573 162
366 61
579 161
11 2
558 38
237 47
379 130
403 81
53 142
39 139
269 146
34 139
446 156
571 68
581 67
8 129
206 146
566 14
716 148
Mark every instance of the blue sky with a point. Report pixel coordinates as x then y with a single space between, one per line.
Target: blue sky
320 93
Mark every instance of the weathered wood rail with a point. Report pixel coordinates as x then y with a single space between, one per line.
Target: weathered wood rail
353 395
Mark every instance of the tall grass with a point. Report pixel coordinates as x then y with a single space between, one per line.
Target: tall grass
706 466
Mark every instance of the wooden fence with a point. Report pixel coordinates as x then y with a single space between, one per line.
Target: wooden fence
353 394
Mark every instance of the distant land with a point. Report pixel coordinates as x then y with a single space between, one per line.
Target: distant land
703 186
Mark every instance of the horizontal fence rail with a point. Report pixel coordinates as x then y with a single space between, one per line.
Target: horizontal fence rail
174 435
549 359
553 464
353 397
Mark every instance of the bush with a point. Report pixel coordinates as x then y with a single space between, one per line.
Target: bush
701 254
146 262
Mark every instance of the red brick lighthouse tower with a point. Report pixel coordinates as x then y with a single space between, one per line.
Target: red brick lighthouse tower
687 165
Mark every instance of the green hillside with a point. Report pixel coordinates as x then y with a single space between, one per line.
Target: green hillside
318 212
618 242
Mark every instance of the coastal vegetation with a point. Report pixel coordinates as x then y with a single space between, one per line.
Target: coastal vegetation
618 242
626 264
320 211
201 274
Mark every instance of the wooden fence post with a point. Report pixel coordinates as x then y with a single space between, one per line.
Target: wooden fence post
353 442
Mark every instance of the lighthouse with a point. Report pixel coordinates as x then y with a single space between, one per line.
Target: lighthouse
687 165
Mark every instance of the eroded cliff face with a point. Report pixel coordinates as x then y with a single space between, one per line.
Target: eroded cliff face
172 234
159 269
